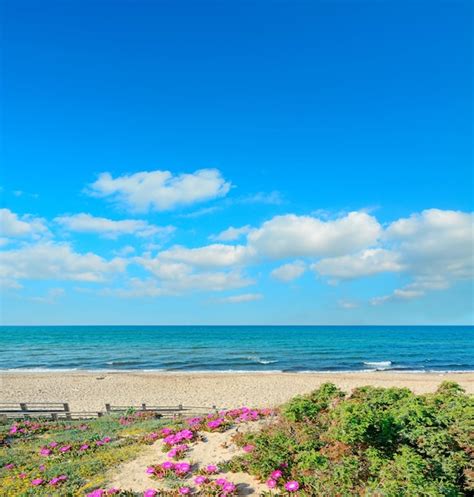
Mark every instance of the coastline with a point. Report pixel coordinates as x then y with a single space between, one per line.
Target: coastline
89 390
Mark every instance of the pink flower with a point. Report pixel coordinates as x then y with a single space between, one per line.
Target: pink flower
54 481
112 491
248 448
167 465
150 493
45 452
150 470
215 423
229 487
64 449
53 444
9 466
13 429
292 486
22 475
106 440
271 483
211 469
37 481
199 480
184 490
221 482
42 467
276 474
182 468
96 493
83 447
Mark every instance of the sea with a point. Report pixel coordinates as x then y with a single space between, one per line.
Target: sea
264 349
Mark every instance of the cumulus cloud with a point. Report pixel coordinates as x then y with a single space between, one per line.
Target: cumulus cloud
244 297
306 236
436 248
365 263
86 223
290 271
215 255
178 277
436 242
231 234
160 190
55 261
14 226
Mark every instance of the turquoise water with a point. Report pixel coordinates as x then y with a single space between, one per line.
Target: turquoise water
237 348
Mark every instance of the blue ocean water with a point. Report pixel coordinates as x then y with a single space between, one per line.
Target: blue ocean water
237 348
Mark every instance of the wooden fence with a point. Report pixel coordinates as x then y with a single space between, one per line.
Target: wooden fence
61 410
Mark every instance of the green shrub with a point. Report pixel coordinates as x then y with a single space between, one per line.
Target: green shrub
376 442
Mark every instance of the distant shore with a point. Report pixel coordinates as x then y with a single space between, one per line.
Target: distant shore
87 391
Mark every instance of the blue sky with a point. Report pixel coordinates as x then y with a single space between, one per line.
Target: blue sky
335 137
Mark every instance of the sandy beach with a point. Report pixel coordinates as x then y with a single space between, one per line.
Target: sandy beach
90 391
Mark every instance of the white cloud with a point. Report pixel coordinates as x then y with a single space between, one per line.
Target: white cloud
215 255
365 263
290 271
55 261
14 226
231 234
160 190
124 251
272 198
306 236
180 277
85 223
436 242
244 297
437 249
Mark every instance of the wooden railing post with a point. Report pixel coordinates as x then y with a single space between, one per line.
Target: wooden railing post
143 407
24 408
67 410
107 407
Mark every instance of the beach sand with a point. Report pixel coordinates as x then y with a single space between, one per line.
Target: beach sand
90 391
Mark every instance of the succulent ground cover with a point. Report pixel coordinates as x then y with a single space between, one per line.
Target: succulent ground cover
373 442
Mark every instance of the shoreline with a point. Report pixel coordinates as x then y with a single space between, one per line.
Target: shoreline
164 372
86 391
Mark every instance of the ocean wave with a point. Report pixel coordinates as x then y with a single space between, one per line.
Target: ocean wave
259 360
379 365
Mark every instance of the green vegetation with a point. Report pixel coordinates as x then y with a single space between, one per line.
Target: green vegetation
93 447
376 442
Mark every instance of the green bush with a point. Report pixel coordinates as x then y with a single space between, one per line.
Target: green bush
375 442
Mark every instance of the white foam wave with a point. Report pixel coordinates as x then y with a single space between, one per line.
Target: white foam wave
379 365
259 360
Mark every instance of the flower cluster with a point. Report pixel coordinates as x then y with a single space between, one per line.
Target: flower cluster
169 468
54 448
178 437
178 451
100 492
54 482
276 479
26 428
